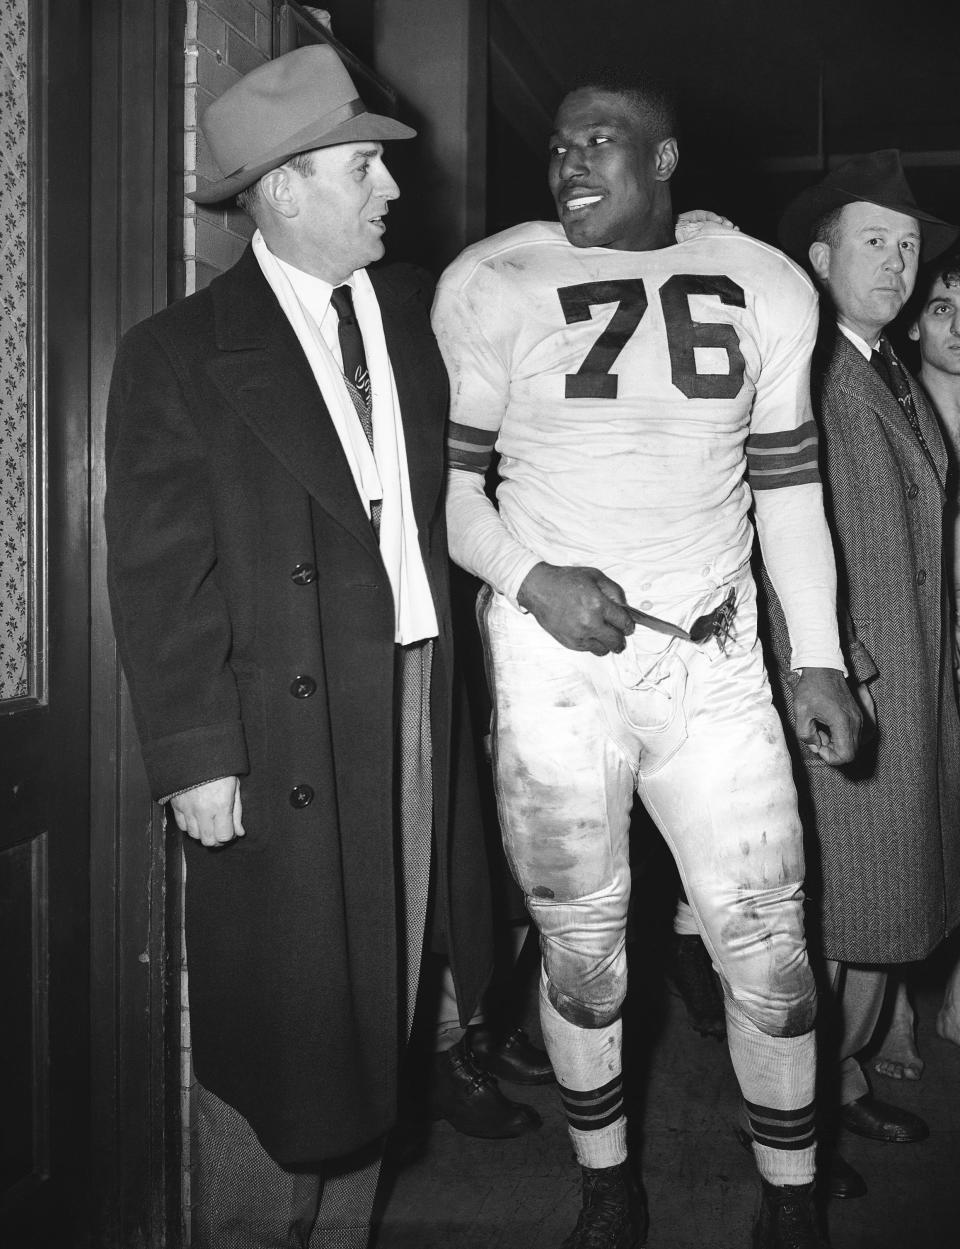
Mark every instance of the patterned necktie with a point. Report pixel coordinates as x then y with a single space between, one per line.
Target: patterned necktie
355 373
885 361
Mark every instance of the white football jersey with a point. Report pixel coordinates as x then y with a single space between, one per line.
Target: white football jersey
635 398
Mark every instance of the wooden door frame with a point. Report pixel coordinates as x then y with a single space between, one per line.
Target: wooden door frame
134 915
43 737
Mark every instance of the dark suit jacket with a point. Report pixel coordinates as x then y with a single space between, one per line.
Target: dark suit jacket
884 833
240 561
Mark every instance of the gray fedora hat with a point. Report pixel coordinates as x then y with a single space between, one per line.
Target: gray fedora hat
300 101
873 178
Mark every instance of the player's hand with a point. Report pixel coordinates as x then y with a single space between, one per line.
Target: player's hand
690 223
210 813
826 715
580 607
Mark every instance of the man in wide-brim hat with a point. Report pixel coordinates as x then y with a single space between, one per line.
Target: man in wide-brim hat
874 178
883 838
297 103
278 576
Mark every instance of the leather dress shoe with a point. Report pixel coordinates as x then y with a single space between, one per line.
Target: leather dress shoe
835 1176
879 1121
513 1058
470 1101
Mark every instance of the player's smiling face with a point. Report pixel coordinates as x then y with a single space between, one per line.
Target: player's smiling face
608 178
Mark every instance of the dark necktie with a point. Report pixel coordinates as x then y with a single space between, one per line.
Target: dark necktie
355 372
885 361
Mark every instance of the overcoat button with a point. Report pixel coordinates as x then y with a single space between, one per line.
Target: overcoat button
301 796
303 687
913 491
921 577
303 574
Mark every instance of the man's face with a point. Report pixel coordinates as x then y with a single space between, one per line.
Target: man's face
937 328
870 272
605 171
342 206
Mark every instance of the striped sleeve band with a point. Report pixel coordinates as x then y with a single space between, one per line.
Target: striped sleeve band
470 448
788 458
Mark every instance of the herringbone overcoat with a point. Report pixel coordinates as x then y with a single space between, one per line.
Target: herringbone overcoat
255 622
883 834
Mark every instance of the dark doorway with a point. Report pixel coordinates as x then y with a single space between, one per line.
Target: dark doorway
44 695
88 1128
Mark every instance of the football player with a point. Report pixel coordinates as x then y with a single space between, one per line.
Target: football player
642 394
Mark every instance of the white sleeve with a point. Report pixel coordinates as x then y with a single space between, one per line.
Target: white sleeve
479 540
798 555
784 475
467 314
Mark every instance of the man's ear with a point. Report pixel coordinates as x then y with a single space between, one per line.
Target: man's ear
819 254
277 193
913 333
667 158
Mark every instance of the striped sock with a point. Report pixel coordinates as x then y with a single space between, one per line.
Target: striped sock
596 1108
597 1124
595 1118
777 1076
784 1143
782 1129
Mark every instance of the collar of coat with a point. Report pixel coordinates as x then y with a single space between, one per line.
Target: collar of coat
866 397
262 372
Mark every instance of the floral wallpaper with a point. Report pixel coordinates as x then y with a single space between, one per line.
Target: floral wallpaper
14 477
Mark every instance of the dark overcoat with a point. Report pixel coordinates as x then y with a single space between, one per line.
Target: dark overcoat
255 624
883 845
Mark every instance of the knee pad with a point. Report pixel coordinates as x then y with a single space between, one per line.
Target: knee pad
763 961
584 956
785 1015
798 1018
597 1013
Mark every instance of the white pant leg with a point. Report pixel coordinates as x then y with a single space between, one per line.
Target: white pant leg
726 804
564 788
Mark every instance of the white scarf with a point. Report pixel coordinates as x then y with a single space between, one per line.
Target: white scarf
385 477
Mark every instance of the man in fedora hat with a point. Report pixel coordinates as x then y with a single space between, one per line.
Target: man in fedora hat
278 575
884 843
933 320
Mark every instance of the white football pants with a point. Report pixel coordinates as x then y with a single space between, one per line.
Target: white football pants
693 731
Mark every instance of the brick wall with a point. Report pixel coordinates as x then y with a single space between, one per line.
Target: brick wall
223 40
